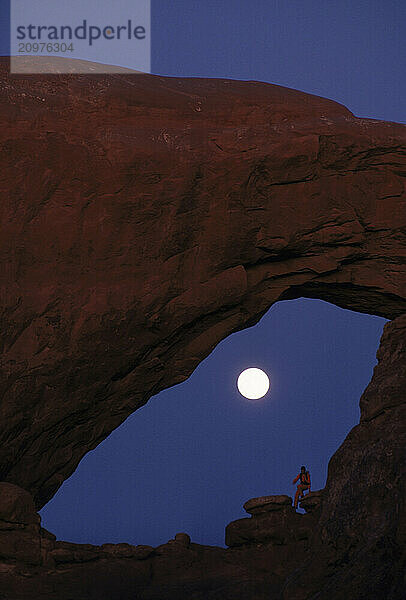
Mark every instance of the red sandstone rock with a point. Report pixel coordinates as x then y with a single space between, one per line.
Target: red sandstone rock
361 537
19 526
267 504
146 218
276 526
16 505
183 539
385 392
312 501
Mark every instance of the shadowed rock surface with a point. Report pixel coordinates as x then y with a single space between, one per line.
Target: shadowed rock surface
146 218
312 501
360 547
255 568
265 504
273 520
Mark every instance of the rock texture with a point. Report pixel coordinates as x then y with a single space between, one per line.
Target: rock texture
265 504
350 544
19 526
252 568
360 546
146 218
312 501
275 521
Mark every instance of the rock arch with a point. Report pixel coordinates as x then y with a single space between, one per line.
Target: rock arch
138 232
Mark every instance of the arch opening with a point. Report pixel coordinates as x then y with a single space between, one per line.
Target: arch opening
191 457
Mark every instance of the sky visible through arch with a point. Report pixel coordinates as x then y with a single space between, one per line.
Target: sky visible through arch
189 459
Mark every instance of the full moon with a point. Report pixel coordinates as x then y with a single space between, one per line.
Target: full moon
253 383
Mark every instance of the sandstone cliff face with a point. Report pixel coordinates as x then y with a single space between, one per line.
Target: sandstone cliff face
359 549
146 218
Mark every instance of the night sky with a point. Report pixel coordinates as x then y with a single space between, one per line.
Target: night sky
191 457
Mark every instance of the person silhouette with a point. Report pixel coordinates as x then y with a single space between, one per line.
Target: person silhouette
304 484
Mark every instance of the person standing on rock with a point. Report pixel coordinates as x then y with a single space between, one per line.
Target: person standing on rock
304 484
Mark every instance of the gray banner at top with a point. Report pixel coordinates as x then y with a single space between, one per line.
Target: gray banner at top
95 36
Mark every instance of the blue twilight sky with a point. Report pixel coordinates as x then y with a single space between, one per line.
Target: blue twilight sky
189 459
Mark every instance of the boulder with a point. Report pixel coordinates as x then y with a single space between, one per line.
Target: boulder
183 539
273 521
17 505
19 526
312 501
264 504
